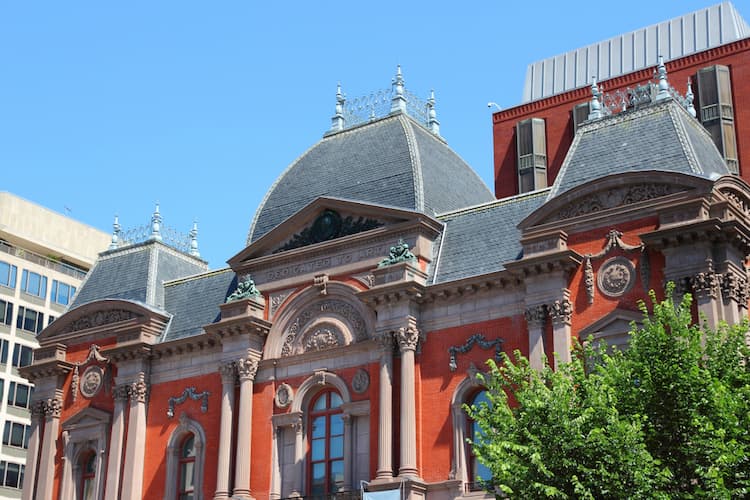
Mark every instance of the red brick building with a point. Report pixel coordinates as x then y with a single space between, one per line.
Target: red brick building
384 275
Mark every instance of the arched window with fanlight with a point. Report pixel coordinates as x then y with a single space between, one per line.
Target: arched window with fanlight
326 445
186 469
87 477
479 474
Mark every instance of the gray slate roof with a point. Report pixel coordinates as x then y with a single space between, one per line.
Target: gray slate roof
481 239
393 161
660 136
194 302
136 272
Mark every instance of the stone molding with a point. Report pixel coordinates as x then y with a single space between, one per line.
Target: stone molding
535 315
408 338
560 311
139 389
247 368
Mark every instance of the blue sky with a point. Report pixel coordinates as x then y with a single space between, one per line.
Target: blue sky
107 107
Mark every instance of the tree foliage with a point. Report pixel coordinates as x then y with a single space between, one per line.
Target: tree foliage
667 418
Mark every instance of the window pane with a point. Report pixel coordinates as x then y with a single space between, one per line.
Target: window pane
16 436
4 351
318 478
337 425
187 473
337 475
188 447
88 489
318 449
33 283
335 400
320 403
8 274
22 395
319 427
6 433
337 447
11 475
11 392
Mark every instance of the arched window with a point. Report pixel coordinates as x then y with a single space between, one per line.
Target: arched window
326 445
87 484
478 472
186 472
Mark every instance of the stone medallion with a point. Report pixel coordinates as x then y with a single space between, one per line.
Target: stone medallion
616 276
92 381
361 381
284 395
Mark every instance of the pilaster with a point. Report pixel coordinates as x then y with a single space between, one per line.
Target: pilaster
246 370
227 371
385 412
114 464
135 449
408 339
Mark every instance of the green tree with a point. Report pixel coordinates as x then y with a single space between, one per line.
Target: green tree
667 418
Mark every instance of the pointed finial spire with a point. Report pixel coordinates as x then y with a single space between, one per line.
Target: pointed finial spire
194 240
432 122
338 118
596 108
661 71
115 234
156 224
398 102
689 97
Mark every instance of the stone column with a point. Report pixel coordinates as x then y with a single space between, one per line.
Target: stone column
32 456
246 369
135 449
535 317
732 287
408 338
275 490
299 458
45 484
225 431
705 287
348 451
561 313
114 463
385 401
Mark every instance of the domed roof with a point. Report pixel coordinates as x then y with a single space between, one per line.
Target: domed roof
393 161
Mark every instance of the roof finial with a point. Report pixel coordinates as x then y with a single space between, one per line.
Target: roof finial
194 240
596 108
432 122
115 234
338 118
689 97
156 224
663 84
398 102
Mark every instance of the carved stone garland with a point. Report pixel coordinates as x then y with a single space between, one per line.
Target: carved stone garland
476 339
614 197
189 392
99 318
616 274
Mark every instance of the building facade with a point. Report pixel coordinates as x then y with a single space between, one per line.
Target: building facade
338 348
44 256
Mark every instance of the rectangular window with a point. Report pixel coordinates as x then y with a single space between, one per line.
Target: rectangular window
29 320
33 283
16 434
4 345
580 115
19 394
6 312
531 149
11 474
716 111
62 293
22 355
8 274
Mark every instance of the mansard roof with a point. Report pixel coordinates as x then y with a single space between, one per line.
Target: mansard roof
660 136
393 161
480 239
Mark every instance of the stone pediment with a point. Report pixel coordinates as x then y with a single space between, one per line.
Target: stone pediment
87 417
101 318
323 220
613 193
613 329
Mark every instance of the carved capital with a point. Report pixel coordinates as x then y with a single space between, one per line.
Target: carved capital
385 341
297 425
227 372
535 316
139 389
705 284
731 287
560 311
247 368
121 392
408 338
37 410
53 407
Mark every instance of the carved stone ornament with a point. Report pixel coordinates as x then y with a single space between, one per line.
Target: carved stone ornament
245 289
614 197
328 226
320 281
368 279
589 280
332 307
535 315
99 318
189 392
476 339
92 381
121 392
322 338
139 389
361 381
52 408
616 277
385 341
74 384
284 395
705 284
247 368
561 311
408 338
398 253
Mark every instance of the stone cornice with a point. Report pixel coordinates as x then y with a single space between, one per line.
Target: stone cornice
563 261
238 325
129 351
735 232
46 369
185 345
449 290
393 293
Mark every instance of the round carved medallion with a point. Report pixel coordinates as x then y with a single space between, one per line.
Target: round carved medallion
361 381
284 396
327 226
616 276
92 381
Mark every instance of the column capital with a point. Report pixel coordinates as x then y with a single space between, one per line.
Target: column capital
37 410
385 341
227 371
535 316
408 338
247 368
53 407
139 389
560 311
733 287
121 392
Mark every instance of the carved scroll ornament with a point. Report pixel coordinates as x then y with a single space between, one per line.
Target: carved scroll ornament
476 339
189 392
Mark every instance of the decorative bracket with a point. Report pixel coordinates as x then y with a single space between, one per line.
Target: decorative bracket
321 281
479 339
189 392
